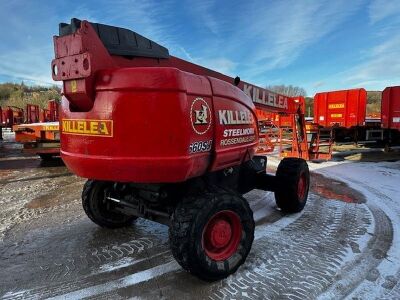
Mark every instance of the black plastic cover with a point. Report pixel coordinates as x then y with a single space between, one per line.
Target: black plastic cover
120 41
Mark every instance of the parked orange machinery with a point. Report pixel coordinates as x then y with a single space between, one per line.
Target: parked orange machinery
12 115
293 136
40 138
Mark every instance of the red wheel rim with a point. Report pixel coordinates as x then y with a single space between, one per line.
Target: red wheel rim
222 235
302 187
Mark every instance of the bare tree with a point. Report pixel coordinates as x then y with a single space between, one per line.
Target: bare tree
288 90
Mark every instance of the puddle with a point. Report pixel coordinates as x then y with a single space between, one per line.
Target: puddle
69 190
29 163
334 190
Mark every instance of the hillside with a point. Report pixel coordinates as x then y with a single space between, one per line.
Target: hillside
12 94
374 102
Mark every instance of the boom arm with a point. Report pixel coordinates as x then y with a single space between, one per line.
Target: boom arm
82 48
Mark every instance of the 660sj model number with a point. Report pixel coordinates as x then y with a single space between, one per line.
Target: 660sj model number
201 146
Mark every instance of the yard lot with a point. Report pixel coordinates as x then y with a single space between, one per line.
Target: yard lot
346 242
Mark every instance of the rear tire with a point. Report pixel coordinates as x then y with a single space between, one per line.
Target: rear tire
293 178
97 207
211 234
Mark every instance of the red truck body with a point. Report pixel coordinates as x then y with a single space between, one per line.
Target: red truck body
344 108
390 108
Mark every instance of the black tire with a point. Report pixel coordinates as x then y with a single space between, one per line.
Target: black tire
46 156
188 224
288 196
96 208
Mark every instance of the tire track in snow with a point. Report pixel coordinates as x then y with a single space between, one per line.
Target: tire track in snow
375 283
304 258
59 271
96 258
365 264
296 257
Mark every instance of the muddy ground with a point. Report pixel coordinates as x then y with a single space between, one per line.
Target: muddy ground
335 248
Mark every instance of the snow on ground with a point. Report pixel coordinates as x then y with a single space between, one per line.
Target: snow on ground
332 249
380 183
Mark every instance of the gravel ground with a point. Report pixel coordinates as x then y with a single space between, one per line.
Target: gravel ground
344 244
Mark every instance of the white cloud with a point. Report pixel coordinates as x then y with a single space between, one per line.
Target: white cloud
204 10
186 54
259 36
28 49
30 65
222 65
318 84
381 9
285 29
380 68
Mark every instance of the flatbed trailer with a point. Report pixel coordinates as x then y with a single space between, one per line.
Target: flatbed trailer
41 139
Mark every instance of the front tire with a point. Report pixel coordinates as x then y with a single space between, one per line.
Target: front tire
211 235
99 209
293 180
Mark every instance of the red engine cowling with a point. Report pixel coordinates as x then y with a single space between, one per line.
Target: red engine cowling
155 125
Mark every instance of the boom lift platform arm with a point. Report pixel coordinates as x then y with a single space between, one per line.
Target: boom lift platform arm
189 173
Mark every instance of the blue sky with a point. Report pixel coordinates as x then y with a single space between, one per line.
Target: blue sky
319 45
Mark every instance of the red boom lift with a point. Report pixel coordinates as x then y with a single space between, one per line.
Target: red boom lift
189 173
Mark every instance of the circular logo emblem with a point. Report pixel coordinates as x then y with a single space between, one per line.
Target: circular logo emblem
200 116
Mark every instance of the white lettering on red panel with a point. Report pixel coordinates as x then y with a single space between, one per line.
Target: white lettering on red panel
234 117
265 97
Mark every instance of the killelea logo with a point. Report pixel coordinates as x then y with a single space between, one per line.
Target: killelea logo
200 116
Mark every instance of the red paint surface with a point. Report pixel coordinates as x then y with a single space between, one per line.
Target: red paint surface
152 127
221 235
32 113
340 108
390 108
12 116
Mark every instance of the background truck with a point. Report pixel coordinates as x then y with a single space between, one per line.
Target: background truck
167 140
40 134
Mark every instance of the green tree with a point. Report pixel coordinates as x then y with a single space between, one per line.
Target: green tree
12 94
